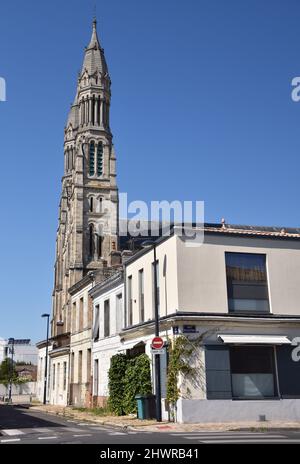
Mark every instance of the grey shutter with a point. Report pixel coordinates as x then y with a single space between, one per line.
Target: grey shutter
288 372
218 376
163 373
96 323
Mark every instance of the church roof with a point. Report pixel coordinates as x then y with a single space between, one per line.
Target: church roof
94 58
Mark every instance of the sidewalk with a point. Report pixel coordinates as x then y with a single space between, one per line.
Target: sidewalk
131 422
70 412
18 399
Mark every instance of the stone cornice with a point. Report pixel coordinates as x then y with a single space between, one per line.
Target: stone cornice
114 280
182 318
84 282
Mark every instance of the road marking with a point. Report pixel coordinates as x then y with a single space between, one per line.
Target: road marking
100 428
46 438
10 440
229 437
264 440
72 429
117 433
83 435
225 434
97 425
12 432
41 429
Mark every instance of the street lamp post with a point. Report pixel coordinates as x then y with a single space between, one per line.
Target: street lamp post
11 342
149 244
46 360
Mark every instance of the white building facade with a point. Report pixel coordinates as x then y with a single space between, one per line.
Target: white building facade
81 344
108 321
41 372
237 298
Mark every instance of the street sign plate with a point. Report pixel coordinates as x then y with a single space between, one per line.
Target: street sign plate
157 343
155 351
189 329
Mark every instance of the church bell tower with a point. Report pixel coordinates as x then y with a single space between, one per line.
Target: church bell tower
87 235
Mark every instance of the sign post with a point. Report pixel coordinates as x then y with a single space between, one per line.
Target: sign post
157 345
156 356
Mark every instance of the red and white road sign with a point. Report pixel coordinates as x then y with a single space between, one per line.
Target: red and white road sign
157 343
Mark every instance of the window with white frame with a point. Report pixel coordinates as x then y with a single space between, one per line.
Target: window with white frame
96 323
247 285
129 300
119 312
141 295
106 318
157 286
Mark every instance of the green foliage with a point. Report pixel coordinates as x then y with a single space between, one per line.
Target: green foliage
116 376
129 388
127 378
7 372
137 381
179 363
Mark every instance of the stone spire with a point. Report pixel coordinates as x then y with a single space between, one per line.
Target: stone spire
92 99
94 58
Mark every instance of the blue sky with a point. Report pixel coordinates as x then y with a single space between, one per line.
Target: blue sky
201 110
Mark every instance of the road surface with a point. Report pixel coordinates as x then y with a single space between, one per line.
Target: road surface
19 426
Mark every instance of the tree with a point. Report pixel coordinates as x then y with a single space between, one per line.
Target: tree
8 372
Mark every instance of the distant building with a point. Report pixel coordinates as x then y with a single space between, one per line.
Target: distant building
24 351
27 371
3 349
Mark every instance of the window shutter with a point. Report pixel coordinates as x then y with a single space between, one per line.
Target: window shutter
288 372
100 159
96 324
218 376
92 159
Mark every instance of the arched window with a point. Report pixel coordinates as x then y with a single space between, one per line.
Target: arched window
92 158
100 159
91 240
100 205
91 204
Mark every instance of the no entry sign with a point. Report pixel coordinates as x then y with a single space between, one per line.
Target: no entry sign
157 343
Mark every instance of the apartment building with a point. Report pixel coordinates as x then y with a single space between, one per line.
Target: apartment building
236 297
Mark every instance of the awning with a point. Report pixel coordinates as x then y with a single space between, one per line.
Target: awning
254 339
